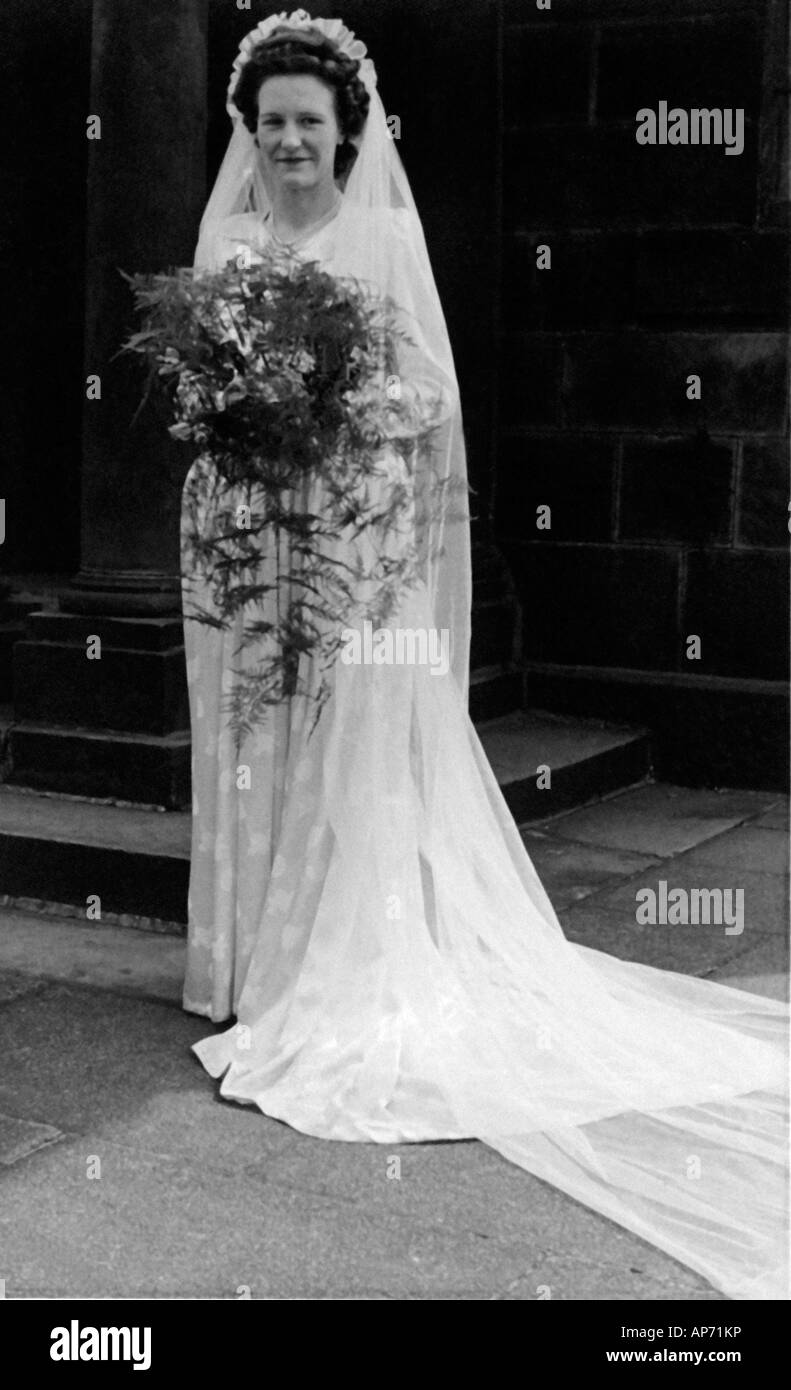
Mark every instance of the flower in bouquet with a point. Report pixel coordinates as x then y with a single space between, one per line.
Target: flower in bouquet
277 372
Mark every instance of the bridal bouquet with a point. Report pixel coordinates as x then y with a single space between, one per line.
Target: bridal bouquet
284 375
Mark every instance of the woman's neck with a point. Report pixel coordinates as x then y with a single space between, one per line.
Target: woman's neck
294 209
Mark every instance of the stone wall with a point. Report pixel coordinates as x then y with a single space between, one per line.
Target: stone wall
668 514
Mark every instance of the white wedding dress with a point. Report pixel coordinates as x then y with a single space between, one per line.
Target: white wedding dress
366 912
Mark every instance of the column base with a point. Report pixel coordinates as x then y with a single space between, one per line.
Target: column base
115 725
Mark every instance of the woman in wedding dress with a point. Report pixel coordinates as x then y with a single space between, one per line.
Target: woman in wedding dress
363 912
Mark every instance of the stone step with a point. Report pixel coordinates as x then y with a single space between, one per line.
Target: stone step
11 630
587 758
61 849
145 768
20 596
493 634
494 691
118 729
706 731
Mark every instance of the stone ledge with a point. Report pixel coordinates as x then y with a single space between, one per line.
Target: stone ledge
711 731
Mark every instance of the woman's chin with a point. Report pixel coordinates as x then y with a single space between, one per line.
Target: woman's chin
305 178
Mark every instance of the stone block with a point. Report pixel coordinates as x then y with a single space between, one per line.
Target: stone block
597 605
639 381
675 490
737 603
546 76
592 177
529 379
762 506
705 65
589 284
711 278
573 476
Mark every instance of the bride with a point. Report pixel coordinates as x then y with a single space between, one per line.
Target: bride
363 913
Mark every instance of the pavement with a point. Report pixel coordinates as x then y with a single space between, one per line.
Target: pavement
124 1175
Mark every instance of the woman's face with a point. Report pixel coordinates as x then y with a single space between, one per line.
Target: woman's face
298 132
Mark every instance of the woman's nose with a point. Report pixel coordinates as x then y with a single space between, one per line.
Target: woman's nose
291 137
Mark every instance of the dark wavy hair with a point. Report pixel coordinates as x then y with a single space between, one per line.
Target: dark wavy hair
287 52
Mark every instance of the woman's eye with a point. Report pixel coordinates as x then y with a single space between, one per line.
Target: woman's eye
275 120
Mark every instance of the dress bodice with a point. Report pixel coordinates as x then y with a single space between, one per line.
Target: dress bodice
252 231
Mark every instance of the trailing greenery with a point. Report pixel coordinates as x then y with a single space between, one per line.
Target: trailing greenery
286 378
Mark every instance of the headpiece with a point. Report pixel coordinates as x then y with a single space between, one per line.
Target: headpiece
280 27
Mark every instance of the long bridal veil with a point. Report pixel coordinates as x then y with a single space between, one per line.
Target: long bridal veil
379 242
408 977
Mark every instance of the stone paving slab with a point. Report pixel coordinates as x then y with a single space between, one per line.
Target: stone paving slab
151 1226
776 819
765 895
15 983
108 956
20 1138
467 1186
121 1071
70 820
760 849
461 1221
761 970
563 1277
660 819
693 950
571 871
72 1235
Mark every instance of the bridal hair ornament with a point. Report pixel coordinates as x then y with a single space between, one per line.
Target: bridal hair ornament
333 29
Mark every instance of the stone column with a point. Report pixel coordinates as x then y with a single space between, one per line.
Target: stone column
146 190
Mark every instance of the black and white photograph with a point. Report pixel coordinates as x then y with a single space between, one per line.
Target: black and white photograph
394 662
